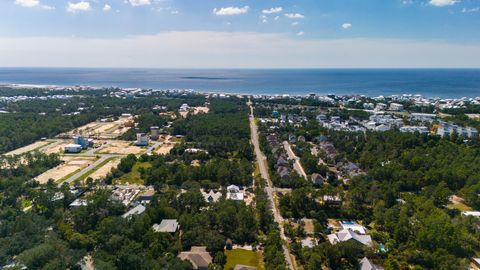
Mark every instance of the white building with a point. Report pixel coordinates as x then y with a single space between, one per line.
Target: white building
346 235
413 129
73 148
354 226
137 210
396 107
167 225
142 139
233 193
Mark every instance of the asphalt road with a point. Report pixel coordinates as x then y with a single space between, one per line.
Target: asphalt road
88 168
261 159
297 165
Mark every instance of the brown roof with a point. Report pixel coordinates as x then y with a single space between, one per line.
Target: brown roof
244 267
198 256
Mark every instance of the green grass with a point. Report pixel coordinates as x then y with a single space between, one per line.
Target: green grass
244 257
133 177
460 206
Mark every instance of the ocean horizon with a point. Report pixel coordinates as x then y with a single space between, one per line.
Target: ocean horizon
429 82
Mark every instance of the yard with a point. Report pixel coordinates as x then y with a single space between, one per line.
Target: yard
244 257
133 177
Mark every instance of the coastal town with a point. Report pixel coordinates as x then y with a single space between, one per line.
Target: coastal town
232 181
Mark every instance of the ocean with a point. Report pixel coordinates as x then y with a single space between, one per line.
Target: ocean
443 83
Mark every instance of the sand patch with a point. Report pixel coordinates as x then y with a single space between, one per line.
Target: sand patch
28 148
121 148
70 166
164 149
105 170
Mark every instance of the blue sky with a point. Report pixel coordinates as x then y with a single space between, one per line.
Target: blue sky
446 32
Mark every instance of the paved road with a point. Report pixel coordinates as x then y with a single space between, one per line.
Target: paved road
88 168
297 165
153 147
261 159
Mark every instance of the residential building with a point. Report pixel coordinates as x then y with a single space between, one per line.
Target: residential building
396 107
366 264
234 193
346 235
211 196
198 256
137 210
167 225
244 267
354 226
142 139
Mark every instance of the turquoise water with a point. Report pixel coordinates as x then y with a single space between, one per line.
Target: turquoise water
371 82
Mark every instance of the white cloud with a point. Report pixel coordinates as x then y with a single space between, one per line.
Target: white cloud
346 25
226 11
295 23
301 33
232 49
107 7
276 18
78 7
294 15
27 3
136 3
469 10
272 10
443 3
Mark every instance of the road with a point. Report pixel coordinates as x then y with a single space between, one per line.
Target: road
88 168
261 159
297 165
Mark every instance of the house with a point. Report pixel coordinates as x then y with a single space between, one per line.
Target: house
318 179
348 234
396 107
301 138
146 197
366 264
244 267
332 200
78 203
211 196
142 139
137 210
198 256
292 138
282 161
167 225
309 242
284 173
233 193
471 214
475 264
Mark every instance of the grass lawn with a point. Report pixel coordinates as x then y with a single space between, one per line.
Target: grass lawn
133 177
244 257
459 206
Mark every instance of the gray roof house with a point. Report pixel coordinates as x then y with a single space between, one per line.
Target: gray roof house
198 256
137 210
346 235
366 264
167 225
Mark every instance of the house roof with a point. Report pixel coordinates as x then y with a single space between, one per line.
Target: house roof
211 196
365 264
198 256
348 234
167 225
137 210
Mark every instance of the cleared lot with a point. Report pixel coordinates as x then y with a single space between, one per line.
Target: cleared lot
121 148
70 166
105 169
28 148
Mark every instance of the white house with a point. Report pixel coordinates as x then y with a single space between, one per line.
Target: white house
345 235
233 193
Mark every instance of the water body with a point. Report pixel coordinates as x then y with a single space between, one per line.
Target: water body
445 83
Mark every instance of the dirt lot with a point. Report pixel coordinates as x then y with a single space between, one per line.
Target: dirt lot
107 130
70 165
164 148
198 110
104 170
28 148
121 148
56 148
309 228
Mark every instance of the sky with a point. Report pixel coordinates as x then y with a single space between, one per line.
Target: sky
240 33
